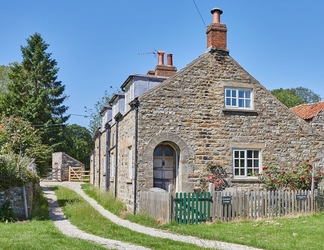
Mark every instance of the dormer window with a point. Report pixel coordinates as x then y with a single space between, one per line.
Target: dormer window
238 98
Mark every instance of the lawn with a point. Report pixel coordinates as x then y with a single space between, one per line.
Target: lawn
85 217
294 233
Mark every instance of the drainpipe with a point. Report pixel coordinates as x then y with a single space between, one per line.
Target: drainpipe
108 130
99 159
117 118
94 166
134 104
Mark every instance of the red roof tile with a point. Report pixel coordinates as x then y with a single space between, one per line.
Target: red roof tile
308 111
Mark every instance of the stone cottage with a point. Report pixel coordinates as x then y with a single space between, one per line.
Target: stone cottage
167 126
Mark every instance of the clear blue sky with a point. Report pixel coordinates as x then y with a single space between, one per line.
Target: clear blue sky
97 43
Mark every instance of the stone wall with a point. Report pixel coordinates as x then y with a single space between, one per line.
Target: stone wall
318 121
15 196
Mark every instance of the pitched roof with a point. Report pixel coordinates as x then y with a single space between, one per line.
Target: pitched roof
308 111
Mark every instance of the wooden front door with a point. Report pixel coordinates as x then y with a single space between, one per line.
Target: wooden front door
163 166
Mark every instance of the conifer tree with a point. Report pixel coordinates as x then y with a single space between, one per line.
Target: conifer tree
34 92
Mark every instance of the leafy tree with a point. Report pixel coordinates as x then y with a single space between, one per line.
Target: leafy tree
78 143
34 92
94 113
295 96
4 78
17 136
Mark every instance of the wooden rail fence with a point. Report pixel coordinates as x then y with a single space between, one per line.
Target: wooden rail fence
78 174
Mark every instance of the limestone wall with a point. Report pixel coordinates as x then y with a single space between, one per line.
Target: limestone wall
15 196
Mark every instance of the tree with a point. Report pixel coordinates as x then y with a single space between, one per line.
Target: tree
17 136
34 92
4 78
78 143
295 96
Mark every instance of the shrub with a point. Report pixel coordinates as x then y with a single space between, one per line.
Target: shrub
216 175
6 213
296 177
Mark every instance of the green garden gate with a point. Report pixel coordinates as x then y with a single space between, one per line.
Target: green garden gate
192 208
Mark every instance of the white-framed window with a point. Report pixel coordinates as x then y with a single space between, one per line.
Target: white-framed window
130 163
238 98
246 163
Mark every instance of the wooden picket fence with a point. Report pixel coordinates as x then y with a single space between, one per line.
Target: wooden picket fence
229 206
156 204
261 204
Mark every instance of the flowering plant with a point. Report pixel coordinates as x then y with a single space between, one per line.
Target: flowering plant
298 177
217 176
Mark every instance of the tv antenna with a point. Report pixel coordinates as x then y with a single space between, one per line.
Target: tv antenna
148 53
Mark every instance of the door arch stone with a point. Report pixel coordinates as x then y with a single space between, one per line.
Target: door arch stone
182 168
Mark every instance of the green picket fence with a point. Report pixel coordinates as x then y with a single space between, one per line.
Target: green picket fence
192 208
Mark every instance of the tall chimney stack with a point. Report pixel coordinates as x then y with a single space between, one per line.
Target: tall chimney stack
216 32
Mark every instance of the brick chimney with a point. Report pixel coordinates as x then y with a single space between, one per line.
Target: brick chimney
161 69
216 32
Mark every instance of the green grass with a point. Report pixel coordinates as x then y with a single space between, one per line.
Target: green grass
81 214
39 233
303 232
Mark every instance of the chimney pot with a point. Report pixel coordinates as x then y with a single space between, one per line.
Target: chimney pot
161 57
170 62
216 14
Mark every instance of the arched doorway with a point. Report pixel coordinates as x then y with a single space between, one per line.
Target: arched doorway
164 166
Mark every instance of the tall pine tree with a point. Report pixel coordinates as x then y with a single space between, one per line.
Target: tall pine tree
34 92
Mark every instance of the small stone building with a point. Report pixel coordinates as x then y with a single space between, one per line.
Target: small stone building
167 126
60 165
313 113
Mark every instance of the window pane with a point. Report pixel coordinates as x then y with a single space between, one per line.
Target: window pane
233 102
168 151
228 101
256 154
233 93
241 93
237 171
236 154
247 104
242 163
158 151
242 171
249 154
242 154
236 163
247 93
241 103
256 163
249 172
249 163
227 93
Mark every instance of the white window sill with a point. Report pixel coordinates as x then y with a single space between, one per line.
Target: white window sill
246 180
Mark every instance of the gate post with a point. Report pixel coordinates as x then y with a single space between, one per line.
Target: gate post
211 190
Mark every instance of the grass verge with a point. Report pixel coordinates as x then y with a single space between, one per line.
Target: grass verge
39 233
295 233
81 214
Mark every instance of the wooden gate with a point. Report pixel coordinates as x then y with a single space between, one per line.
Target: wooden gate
192 208
78 174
